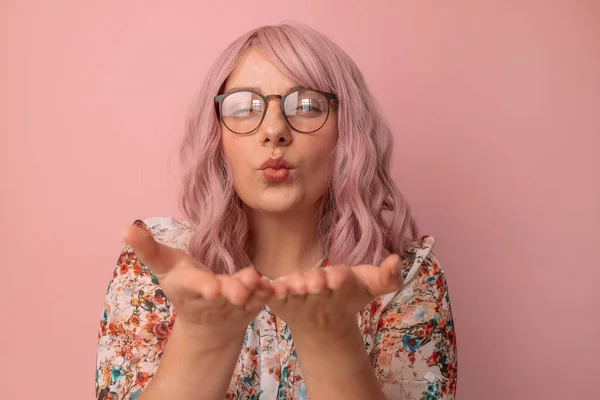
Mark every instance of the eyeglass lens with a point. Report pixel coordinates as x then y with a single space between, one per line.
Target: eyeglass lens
304 110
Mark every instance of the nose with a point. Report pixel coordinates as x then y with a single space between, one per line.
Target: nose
274 130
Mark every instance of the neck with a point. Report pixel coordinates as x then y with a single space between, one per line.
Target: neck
281 244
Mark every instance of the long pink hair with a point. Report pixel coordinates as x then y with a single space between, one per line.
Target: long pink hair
363 218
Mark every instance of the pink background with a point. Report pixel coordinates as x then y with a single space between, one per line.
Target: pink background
495 111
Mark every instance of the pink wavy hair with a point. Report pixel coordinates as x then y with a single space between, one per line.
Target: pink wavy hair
363 217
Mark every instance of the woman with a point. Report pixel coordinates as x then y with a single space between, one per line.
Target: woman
295 230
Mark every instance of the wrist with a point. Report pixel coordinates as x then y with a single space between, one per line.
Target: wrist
204 338
337 365
343 334
193 352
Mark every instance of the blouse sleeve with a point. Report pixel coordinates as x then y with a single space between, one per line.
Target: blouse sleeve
414 349
136 321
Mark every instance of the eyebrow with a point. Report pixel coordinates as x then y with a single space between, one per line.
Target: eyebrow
258 89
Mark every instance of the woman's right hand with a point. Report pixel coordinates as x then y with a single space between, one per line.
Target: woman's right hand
207 305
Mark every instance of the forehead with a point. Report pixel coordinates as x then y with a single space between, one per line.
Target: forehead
255 70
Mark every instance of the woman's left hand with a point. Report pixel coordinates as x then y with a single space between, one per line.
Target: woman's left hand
326 300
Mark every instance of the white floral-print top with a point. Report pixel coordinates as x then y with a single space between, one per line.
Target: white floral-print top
409 335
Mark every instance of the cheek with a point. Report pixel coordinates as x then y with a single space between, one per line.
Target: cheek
320 165
239 156
234 156
321 174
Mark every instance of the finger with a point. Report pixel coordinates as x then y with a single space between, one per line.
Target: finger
296 283
249 277
280 289
315 281
337 276
260 290
257 300
233 290
200 283
160 258
390 273
383 279
252 280
265 286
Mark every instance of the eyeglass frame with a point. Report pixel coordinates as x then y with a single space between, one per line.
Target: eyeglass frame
219 100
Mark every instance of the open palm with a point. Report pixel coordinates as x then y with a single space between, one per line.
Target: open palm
204 301
321 298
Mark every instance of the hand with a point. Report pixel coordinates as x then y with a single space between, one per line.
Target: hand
211 305
323 301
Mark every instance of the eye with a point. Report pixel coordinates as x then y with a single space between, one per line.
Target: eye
240 112
243 109
308 105
242 104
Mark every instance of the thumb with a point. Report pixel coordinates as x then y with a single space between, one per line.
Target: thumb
390 274
158 257
382 279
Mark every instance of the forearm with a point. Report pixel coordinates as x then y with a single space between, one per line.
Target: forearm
336 366
194 369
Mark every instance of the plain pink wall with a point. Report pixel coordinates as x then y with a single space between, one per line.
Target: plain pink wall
495 111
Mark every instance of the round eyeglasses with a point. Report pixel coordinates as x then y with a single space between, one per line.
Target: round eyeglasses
305 110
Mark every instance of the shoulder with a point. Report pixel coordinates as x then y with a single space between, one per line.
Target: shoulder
424 279
168 230
130 271
419 260
137 317
422 272
133 286
422 305
411 334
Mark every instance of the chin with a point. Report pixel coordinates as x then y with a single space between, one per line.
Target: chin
274 200
276 204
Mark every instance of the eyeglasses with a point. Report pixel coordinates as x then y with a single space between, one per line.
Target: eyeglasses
305 110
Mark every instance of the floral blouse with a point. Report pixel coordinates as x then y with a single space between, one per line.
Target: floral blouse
409 335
